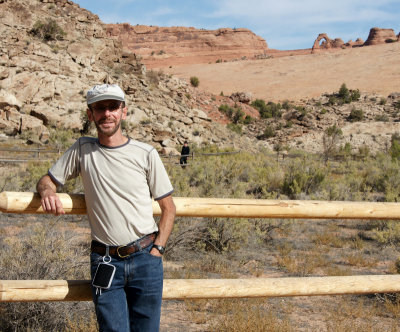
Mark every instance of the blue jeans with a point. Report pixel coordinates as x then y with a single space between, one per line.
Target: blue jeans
133 301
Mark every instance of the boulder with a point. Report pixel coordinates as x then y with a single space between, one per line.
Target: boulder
8 99
46 115
242 97
167 151
196 113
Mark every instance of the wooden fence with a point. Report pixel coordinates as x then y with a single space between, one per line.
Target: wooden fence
36 155
79 290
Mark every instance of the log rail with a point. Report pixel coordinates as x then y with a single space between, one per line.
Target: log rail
79 290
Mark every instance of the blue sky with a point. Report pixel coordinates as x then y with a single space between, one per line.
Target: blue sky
284 24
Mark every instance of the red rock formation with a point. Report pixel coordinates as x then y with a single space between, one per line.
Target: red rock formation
380 36
327 43
359 42
174 45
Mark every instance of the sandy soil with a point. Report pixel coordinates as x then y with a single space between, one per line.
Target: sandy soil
372 69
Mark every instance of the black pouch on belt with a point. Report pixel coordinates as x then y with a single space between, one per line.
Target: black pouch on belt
103 276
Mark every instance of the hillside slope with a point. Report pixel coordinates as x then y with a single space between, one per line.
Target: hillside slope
53 51
372 69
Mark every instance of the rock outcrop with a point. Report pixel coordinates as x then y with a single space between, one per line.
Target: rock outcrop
325 43
189 45
44 79
381 36
376 36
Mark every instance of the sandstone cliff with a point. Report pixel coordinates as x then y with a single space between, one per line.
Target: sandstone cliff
43 81
174 45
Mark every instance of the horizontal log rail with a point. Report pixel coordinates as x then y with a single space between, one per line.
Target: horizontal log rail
79 290
28 202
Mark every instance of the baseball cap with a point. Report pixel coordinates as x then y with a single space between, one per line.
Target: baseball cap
104 92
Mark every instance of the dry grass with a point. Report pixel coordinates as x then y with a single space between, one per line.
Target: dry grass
237 315
222 248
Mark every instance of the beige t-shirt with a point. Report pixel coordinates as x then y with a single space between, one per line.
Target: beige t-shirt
119 184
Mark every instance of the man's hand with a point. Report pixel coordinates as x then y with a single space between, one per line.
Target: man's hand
155 252
51 203
166 223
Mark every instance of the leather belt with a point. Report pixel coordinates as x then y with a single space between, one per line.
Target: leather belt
123 251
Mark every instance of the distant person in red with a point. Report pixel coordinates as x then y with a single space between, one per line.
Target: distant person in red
184 154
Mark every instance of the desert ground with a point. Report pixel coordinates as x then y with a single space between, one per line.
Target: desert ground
372 69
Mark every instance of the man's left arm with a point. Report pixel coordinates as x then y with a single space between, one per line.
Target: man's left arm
168 211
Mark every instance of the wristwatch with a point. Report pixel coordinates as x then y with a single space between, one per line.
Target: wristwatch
161 249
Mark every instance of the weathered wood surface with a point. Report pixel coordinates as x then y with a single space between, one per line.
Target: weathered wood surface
79 290
27 202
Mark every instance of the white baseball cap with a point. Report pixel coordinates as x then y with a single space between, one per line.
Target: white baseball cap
104 92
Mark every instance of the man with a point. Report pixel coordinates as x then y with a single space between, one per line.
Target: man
184 154
120 177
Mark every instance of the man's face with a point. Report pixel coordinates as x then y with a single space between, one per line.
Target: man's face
107 116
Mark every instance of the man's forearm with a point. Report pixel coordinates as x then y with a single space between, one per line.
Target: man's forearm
166 223
44 184
47 188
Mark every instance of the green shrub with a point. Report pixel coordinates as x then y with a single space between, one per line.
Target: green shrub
346 149
47 31
267 110
388 233
269 132
344 96
395 146
355 95
344 92
356 115
235 114
330 141
237 128
238 116
248 119
194 81
145 122
62 138
286 105
382 118
303 177
289 124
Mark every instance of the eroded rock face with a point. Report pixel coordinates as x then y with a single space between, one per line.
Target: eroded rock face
44 82
160 44
381 36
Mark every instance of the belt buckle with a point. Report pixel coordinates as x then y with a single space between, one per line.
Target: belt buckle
119 255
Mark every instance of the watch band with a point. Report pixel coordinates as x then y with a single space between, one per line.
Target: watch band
161 249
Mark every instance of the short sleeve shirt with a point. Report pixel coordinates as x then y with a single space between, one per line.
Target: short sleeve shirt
119 184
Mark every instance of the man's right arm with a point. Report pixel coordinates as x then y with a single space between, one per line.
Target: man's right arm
51 203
